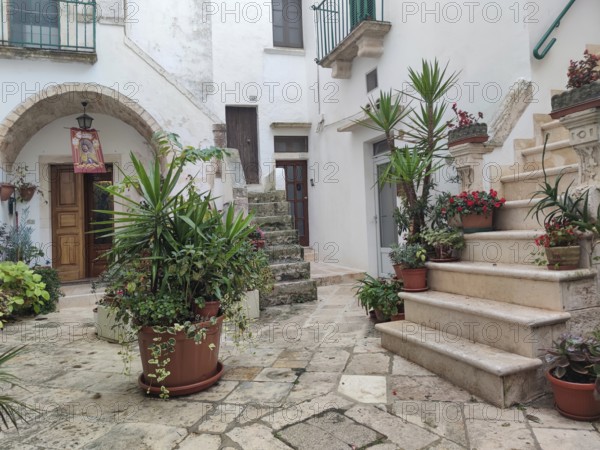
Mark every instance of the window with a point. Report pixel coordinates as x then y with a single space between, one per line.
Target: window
35 23
287 23
372 81
291 144
381 147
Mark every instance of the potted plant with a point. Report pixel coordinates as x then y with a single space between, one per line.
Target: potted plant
476 209
561 244
26 189
6 191
446 243
381 296
258 239
467 128
394 256
414 273
575 375
173 252
583 87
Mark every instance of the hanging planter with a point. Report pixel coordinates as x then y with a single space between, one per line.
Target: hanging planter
26 192
6 191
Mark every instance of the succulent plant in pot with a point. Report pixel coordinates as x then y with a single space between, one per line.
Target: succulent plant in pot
575 375
381 296
412 257
446 243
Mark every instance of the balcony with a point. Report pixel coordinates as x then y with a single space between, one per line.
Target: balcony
347 29
48 29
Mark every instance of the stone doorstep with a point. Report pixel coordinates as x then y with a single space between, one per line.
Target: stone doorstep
525 285
499 377
288 292
333 279
290 270
513 328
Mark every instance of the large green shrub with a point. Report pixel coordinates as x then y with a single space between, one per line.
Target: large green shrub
21 289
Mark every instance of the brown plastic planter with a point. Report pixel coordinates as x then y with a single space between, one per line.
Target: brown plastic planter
194 367
477 223
415 280
574 400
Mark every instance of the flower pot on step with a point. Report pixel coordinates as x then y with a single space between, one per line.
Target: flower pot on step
6 191
472 134
398 271
563 258
575 100
193 367
477 223
415 280
574 400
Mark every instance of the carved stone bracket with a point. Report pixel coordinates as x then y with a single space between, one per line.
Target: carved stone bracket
584 137
468 159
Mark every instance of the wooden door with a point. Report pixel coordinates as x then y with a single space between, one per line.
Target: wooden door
242 134
68 244
97 200
296 188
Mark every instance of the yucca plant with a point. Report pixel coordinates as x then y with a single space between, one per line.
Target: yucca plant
11 410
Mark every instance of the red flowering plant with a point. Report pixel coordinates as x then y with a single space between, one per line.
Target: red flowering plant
481 203
463 118
584 71
559 233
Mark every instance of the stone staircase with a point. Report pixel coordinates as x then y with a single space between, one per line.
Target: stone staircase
486 319
292 273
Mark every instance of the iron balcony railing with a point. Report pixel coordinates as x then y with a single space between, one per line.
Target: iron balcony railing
64 25
337 18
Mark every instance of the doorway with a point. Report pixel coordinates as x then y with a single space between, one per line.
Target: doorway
242 134
385 205
75 199
296 191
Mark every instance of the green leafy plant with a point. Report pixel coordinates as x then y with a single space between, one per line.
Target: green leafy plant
21 182
16 243
20 289
445 241
379 293
410 256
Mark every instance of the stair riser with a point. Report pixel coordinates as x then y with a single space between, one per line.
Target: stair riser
501 391
286 294
274 223
552 295
522 187
269 209
555 158
507 336
515 219
557 134
288 237
500 251
287 254
266 197
291 272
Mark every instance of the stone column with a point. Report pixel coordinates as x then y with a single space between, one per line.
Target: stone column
220 139
584 137
468 159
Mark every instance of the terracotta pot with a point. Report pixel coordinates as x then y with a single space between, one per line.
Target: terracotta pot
398 270
380 316
190 364
26 193
444 253
563 258
574 400
477 223
398 317
472 134
210 309
415 280
575 100
6 191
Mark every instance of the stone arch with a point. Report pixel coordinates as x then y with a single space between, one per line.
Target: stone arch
61 100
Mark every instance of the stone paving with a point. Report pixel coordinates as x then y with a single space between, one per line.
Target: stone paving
313 377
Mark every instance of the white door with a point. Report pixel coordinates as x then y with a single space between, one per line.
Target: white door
387 230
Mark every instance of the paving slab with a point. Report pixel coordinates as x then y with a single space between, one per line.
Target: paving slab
488 435
369 364
328 360
139 436
364 389
261 392
256 437
567 439
200 442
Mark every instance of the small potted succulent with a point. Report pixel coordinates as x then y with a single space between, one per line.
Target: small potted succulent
380 295
583 87
561 244
575 375
476 209
412 257
446 243
467 128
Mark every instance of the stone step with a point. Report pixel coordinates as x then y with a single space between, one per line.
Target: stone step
273 223
269 209
526 285
290 271
499 377
288 292
506 247
285 253
266 197
558 154
513 328
522 185
281 237
514 215
80 300
545 125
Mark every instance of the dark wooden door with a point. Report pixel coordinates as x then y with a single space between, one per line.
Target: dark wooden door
296 188
68 246
97 200
242 134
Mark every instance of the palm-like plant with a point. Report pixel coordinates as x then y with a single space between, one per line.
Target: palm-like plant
11 410
425 130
